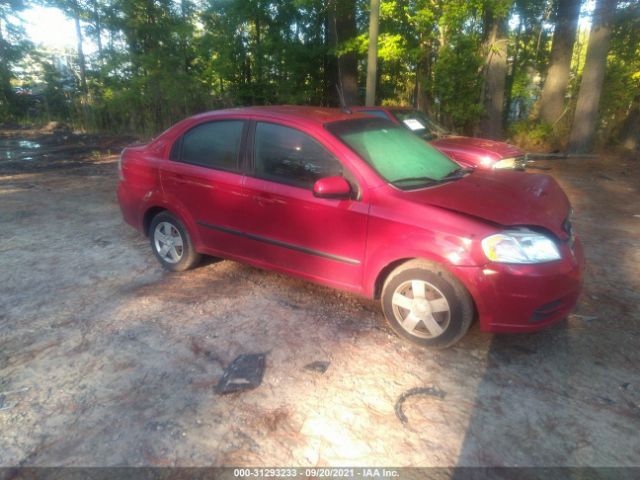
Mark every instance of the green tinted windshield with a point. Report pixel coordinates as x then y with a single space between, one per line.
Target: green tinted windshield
419 123
394 152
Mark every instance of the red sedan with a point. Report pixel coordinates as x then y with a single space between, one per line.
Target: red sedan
358 203
467 151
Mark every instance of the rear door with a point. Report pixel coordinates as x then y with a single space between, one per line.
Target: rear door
322 239
204 178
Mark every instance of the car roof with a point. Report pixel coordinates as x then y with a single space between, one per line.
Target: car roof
309 114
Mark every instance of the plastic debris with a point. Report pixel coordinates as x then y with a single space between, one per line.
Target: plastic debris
3 405
319 366
3 398
430 391
606 400
244 373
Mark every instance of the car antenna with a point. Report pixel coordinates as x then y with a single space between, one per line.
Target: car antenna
343 103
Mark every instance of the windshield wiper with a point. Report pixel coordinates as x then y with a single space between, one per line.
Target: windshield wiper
427 180
456 174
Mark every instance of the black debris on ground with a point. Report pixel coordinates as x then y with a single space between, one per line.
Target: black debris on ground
319 366
244 373
428 391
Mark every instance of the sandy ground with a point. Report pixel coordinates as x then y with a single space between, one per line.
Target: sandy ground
106 359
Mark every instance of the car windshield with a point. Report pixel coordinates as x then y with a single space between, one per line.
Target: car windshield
401 158
420 124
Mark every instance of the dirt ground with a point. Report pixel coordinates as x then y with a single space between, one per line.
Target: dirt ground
106 359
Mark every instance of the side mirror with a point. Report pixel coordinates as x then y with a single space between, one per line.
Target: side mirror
332 187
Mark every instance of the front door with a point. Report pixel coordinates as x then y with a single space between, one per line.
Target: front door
291 229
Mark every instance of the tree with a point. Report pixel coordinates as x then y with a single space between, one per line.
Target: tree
372 58
75 11
619 108
12 48
496 42
630 132
342 33
97 26
551 104
468 63
528 54
585 117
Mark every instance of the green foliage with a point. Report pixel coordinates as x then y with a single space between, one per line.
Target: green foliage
536 136
12 49
392 48
56 103
622 78
162 60
458 83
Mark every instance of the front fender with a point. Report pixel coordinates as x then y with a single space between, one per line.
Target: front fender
446 250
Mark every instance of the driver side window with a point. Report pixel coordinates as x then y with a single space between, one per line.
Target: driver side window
287 155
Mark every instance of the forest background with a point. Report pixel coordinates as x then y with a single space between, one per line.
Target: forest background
548 74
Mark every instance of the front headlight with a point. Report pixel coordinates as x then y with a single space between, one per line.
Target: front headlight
505 163
520 246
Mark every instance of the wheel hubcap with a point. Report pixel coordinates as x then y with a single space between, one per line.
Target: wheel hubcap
421 309
168 242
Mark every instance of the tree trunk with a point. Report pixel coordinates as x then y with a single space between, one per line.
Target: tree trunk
495 77
96 16
5 76
585 118
630 132
423 75
81 61
511 77
258 73
342 27
555 85
330 62
372 58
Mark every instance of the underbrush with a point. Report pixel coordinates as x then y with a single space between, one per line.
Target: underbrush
538 136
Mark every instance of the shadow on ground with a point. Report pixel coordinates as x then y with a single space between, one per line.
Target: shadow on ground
107 360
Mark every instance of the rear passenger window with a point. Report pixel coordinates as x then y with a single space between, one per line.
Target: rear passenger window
213 144
289 156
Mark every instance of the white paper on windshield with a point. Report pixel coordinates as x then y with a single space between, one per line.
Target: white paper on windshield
414 124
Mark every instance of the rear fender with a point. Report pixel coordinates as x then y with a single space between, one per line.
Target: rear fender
172 204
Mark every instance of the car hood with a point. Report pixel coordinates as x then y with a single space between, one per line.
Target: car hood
506 198
480 146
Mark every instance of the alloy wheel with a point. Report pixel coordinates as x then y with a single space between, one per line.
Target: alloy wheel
421 309
168 242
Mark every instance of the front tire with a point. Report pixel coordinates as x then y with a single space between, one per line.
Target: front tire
171 243
426 305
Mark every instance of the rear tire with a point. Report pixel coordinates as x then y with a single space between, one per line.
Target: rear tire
426 305
171 243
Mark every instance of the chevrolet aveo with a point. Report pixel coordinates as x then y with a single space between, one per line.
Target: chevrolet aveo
360 204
